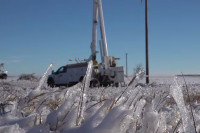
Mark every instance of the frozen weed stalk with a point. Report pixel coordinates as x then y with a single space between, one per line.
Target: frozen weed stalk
176 92
37 91
138 76
83 97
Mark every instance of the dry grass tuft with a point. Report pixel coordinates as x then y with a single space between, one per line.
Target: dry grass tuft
54 105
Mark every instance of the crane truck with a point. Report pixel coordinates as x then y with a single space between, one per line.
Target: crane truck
105 73
3 74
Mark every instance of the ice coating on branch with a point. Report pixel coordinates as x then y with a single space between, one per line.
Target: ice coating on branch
131 91
136 78
44 77
150 119
83 98
37 91
176 92
40 129
135 117
87 78
162 123
11 129
111 123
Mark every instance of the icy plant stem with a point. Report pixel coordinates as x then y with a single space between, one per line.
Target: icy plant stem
44 76
85 85
96 104
190 103
176 127
133 82
178 97
37 92
137 77
137 113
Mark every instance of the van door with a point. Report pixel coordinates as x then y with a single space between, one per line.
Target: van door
60 77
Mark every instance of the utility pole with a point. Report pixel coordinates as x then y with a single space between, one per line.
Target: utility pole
126 64
147 47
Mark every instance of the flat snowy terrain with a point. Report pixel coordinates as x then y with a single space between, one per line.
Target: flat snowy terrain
160 107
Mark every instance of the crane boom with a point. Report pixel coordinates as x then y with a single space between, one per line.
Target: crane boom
108 72
94 30
97 10
102 27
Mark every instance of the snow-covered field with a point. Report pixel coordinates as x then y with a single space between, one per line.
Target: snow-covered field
160 107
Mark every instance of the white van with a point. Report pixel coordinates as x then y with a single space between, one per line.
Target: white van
68 75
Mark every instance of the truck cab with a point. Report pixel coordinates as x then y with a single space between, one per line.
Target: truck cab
3 74
67 75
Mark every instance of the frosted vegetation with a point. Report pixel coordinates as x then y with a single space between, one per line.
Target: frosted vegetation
28 77
160 107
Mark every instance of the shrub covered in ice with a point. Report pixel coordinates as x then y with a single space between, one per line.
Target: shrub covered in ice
30 77
137 108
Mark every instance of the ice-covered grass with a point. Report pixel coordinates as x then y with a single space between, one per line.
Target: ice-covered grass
159 107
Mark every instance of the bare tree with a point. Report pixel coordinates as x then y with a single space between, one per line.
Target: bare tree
138 68
1 66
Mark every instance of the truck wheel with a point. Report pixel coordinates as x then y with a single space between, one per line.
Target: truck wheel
4 76
116 84
94 83
106 82
51 83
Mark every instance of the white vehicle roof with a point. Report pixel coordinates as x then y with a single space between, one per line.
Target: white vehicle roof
77 65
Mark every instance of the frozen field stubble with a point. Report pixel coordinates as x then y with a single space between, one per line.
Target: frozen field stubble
140 109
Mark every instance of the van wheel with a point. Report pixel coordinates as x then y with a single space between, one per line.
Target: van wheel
4 76
81 79
51 83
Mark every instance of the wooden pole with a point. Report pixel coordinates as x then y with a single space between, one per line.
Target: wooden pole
147 47
126 64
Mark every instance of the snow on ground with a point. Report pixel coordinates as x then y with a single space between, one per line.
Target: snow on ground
160 107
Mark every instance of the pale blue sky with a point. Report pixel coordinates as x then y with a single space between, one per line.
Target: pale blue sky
35 33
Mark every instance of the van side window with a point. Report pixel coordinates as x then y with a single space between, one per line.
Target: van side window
61 70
